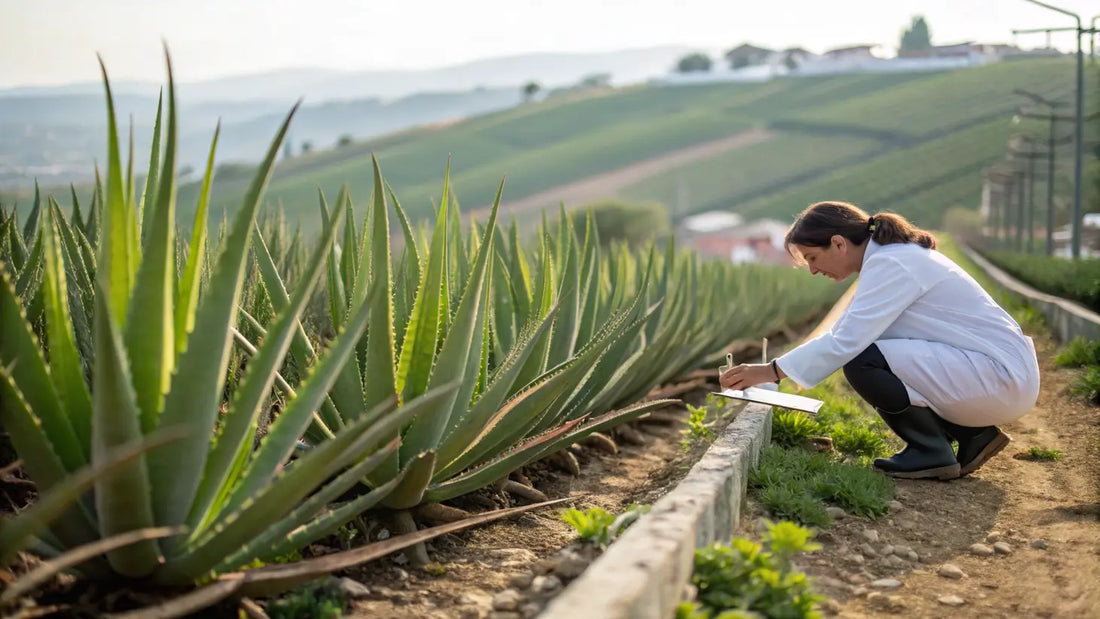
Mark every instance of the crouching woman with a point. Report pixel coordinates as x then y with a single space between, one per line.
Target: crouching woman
921 342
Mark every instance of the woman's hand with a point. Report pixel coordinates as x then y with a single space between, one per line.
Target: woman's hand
746 375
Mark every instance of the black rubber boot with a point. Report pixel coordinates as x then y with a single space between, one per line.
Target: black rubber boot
927 453
976 445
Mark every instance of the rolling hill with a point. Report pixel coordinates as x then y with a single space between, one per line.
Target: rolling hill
913 142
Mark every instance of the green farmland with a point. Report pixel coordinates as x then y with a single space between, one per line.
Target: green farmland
912 142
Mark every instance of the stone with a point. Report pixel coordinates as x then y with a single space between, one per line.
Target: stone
352 588
545 584
521 580
835 512
870 535
994 536
981 550
867 550
469 612
913 556
530 610
571 567
1039 544
1002 548
505 614
400 574
469 599
886 584
887 550
855 558
830 607
834 583
512 557
509 599
902 551
951 600
383 534
897 562
895 505
952 571
856 578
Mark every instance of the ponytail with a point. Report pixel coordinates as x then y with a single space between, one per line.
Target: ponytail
887 228
816 226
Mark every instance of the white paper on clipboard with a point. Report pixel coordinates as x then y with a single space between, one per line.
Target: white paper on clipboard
773 398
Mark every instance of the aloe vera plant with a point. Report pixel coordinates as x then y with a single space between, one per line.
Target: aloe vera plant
440 305
157 350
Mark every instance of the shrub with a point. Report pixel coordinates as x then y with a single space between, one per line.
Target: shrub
755 579
1079 352
1077 280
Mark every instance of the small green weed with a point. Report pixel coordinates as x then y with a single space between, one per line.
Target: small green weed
600 527
697 427
793 428
1087 385
796 484
1078 353
310 602
746 579
858 440
1041 454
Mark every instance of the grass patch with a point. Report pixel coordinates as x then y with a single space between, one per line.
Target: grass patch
309 602
1079 353
1040 454
1087 385
797 484
854 427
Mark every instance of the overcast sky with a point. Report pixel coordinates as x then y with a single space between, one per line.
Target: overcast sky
55 41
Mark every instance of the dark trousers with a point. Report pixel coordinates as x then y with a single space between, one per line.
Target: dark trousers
870 376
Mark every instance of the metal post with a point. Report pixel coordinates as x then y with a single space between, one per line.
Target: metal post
1079 154
1031 203
1050 188
1079 148
1020 210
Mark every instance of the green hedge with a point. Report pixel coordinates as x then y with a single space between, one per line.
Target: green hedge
1075 280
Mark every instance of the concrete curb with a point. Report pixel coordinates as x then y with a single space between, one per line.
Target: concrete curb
1066 318
642 575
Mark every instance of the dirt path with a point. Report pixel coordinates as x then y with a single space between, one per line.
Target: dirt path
1046 514
606 184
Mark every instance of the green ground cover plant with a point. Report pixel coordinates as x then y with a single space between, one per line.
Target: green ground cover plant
747 579
1076 280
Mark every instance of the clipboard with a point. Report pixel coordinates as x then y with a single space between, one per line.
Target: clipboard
773 398
769 395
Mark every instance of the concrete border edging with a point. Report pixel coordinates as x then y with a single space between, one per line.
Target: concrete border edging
642 574
1066 318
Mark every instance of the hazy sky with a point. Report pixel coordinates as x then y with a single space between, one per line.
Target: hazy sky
55 41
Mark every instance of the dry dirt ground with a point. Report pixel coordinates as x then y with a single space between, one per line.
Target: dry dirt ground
476 565
1042 517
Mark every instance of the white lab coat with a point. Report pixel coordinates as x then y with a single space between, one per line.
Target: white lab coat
948 341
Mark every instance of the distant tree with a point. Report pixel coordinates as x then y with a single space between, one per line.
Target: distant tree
790 61
288 150
917 37
344 140
596 80
306 147
634 223
694 63
530 89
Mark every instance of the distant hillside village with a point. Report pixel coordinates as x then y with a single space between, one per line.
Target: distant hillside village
750 63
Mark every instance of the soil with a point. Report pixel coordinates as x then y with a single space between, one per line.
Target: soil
1047 515
476 565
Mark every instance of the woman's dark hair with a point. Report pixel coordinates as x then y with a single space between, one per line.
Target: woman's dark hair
817 224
